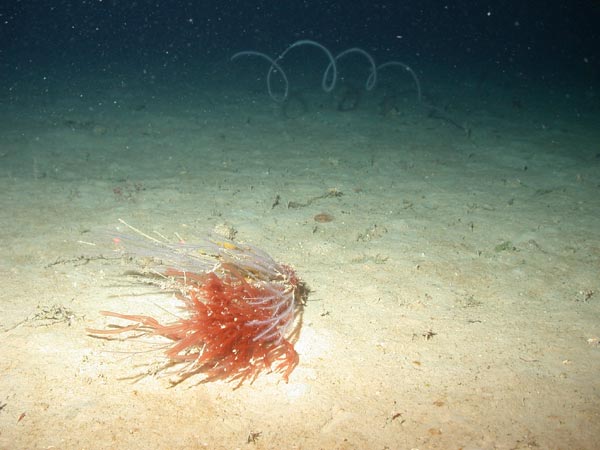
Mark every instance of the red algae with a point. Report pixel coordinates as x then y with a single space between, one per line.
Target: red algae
242 314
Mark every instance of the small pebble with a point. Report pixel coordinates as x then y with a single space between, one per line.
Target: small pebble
323 217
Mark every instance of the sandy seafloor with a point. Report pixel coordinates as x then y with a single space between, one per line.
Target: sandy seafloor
455 296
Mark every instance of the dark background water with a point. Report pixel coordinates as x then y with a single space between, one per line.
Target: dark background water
543 39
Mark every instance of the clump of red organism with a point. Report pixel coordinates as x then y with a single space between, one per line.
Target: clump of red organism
241 309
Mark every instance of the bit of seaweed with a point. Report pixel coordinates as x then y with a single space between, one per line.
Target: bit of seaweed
243 308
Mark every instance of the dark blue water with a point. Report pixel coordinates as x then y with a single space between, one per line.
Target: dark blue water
557 40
